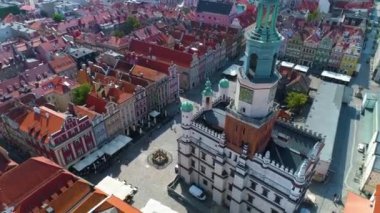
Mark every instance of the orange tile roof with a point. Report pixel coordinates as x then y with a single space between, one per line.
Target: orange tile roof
376 207
44 123
83 111
70 197
147 73
119 95
62 63
355 204
92 200
114 202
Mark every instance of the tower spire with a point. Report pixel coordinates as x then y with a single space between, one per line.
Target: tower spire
258 79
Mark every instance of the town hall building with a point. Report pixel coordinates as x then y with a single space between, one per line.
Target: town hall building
235 147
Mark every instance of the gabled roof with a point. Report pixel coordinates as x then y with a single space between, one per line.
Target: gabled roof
25 193
83 111
42 122
163 54
149 63
96 103
223 8
147 73
70 197
62 63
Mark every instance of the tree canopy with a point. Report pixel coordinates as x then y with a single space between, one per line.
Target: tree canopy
131 24
295 100
314 15
57 17
80 94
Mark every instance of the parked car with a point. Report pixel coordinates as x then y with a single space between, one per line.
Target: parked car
176 168
197 192
361 147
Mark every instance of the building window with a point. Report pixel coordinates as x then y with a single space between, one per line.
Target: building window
248 209
203 169
230 186
273 211
192 163
203 156
192 149
277 199
232 173
229 155
212 176
213 163
205 182
235 158
265 192
228 197
250 198
253 185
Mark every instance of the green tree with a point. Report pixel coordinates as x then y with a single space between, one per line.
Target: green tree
133 22
314 15
80 94
295 100
118 33
57 17
129 25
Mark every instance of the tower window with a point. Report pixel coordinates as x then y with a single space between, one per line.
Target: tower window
253 62
207 100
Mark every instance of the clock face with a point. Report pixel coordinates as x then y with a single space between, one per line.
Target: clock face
246 95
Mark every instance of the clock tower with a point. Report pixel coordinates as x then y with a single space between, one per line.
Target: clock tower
258 78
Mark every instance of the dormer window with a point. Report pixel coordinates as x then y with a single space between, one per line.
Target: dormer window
283 137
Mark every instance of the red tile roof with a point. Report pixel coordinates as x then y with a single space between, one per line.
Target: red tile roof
62 63
149 63
48 183
164 54
44 178
147 73
96 103
355 203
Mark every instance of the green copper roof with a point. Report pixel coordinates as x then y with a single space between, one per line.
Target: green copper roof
207 91
186 107
224 83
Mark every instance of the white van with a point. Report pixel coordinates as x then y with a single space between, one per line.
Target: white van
197 192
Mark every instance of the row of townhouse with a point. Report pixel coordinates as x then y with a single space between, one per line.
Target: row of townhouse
133 91
196 56
325 47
